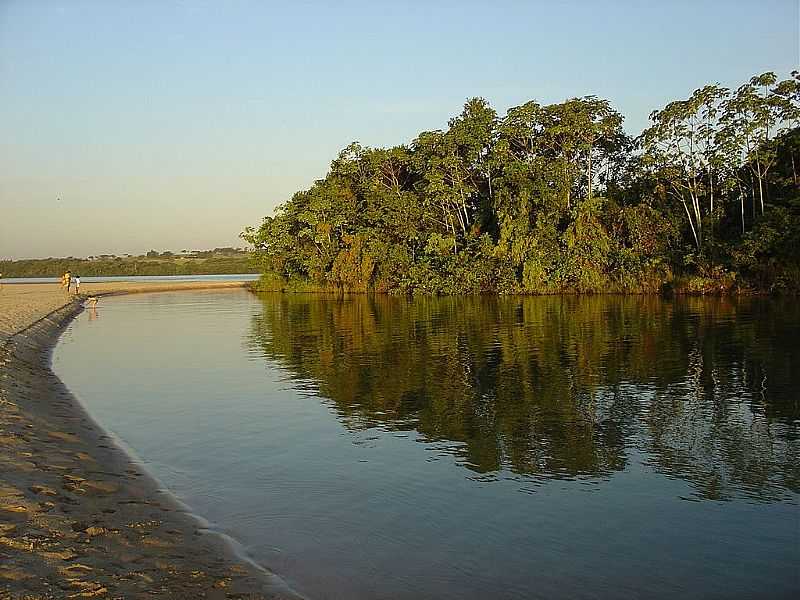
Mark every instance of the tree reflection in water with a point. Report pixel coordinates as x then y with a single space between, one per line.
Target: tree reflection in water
561 387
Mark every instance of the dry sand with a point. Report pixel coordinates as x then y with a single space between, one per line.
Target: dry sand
78 518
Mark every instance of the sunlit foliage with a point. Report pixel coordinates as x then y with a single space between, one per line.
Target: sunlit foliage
554 198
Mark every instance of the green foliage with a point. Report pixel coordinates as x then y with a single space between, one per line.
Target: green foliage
769 254
556 198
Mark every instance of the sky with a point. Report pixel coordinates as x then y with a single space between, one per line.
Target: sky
127 125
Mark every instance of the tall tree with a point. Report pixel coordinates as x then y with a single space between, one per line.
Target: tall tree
757 112
684 150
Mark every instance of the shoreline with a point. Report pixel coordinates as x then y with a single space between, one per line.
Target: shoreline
739 293
680 291
79 516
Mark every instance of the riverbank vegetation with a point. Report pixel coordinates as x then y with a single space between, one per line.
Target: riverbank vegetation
206 262
558 198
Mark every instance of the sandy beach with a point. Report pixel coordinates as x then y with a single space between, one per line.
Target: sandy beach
79 518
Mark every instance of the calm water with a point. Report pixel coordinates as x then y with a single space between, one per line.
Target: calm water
467 448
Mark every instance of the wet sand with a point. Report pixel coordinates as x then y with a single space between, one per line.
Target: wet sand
79 518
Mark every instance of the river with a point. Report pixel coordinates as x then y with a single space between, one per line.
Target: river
550 447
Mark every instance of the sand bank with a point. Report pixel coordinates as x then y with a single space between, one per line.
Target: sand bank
78 518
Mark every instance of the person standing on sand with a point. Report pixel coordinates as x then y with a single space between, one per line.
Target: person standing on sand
77 284
68 280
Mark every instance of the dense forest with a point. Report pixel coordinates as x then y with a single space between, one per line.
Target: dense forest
206 262
558 198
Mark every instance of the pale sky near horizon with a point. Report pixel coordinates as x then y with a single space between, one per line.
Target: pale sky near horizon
174 124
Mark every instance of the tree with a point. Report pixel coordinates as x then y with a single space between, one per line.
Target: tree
753 116
554 198
683 149
581 134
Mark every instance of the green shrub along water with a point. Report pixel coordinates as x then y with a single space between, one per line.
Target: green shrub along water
558 198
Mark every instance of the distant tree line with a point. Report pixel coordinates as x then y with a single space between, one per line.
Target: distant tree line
226 251
554 198
210 262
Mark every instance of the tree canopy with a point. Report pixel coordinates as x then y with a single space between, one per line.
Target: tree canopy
554 198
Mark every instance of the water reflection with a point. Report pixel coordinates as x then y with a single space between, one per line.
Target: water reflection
561 387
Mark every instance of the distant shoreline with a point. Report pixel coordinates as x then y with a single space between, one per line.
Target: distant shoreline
221 261
164 279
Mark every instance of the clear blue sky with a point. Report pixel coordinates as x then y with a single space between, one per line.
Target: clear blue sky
172 125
